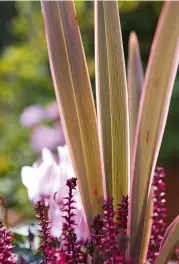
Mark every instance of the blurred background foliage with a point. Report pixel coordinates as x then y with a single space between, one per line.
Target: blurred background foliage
25 80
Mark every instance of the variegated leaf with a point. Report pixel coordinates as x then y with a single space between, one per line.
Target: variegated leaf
102 94
112 98
75 100
153 111
135 79
147 229
171 239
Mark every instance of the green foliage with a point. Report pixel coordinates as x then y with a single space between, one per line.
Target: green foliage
26 243
24 79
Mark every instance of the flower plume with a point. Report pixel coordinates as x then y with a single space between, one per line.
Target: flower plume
69 238
159 214
6 247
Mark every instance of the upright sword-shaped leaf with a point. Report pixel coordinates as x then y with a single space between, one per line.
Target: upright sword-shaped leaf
75 100
102 94
153 110
112 100
135 79
147 229
171 239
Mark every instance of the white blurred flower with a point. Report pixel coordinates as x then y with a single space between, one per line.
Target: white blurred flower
41 180
47 181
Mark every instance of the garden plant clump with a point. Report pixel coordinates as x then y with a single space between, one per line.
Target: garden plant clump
102 198
106 244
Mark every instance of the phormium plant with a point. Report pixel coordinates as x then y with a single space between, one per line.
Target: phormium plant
114 147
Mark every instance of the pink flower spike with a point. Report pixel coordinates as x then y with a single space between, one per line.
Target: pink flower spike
6 247
159 214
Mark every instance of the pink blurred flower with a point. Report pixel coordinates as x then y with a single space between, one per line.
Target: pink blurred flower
52 111
47 181
32 115
43 136
47 137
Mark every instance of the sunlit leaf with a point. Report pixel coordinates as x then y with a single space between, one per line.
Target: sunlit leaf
75 100
153 110
167 232
147 229
102 93
135 79
112 98
171 239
